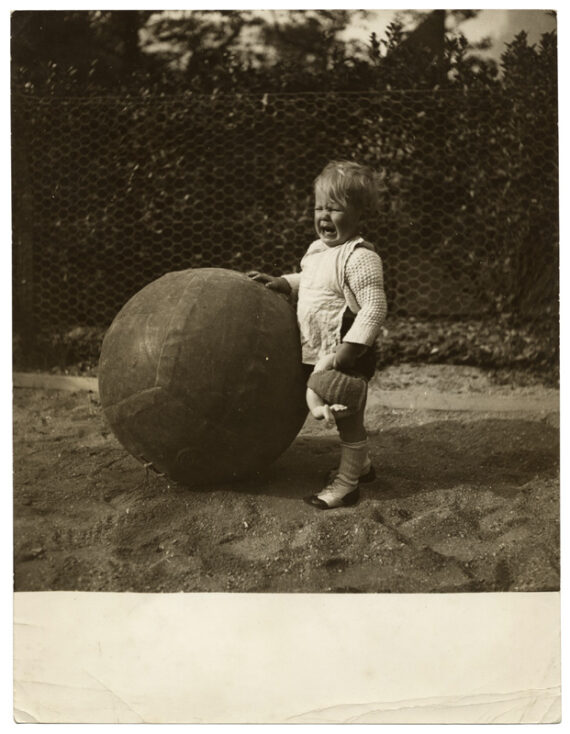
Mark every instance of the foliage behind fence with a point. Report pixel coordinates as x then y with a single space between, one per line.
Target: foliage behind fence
110 193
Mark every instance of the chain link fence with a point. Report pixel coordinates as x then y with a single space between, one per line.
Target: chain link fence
111 193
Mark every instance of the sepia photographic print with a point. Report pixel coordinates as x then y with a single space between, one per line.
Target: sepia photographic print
286 366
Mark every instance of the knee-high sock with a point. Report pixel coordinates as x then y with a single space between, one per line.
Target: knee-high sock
353 458
366 465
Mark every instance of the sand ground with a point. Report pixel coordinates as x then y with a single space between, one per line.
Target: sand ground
465 500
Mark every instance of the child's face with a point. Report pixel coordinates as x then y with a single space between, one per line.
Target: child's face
335 223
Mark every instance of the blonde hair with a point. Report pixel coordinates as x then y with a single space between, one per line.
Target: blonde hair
347 182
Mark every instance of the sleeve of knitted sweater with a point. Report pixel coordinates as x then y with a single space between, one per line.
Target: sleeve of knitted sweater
365 282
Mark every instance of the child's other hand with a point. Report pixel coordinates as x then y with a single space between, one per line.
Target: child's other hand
280 285
326 413
325 363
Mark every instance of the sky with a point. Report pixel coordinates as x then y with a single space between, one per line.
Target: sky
503 25
500 25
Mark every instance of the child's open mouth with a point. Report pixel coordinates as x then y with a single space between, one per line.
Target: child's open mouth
328 230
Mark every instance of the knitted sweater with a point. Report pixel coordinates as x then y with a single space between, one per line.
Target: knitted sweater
364 294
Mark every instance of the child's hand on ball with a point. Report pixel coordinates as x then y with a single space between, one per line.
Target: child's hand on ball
280 285
257 276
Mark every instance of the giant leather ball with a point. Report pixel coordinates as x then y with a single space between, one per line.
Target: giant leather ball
200 376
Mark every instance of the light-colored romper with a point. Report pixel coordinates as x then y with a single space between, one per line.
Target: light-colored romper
324 296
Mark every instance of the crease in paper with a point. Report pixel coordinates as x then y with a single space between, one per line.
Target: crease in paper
538 706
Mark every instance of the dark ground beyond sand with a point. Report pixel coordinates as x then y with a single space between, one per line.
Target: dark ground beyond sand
464 501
